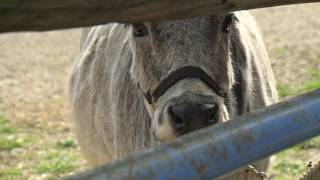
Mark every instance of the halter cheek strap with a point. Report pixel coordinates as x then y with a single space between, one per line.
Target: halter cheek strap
182 73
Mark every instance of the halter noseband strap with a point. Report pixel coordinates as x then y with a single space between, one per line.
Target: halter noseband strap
182 73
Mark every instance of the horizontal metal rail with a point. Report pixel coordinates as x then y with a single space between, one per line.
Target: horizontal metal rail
217 150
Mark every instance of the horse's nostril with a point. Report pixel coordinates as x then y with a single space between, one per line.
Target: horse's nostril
212 118
187 116
178 121
211 109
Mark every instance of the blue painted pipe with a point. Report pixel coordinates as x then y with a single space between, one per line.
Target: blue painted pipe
214 151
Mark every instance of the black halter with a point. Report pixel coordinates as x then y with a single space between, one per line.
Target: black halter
176 76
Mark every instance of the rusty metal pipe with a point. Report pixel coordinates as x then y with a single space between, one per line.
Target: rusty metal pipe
214 151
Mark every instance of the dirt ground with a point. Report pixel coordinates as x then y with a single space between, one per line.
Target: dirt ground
34 70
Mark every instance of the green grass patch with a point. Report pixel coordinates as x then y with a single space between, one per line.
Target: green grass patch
280 52
11 137
10 142
306 53
5 126
53 155
309 86
55 167
67 143
288 164
60 160
10 173
8 135
291 163
310 144
56 163
284 91
292 169
315 73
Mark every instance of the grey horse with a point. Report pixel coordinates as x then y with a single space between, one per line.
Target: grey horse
138 85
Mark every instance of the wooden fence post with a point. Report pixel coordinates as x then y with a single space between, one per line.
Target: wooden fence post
39 15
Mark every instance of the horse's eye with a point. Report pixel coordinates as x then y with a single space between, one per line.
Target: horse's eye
228 20
139 30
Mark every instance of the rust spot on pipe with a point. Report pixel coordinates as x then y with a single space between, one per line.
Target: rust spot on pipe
243 137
